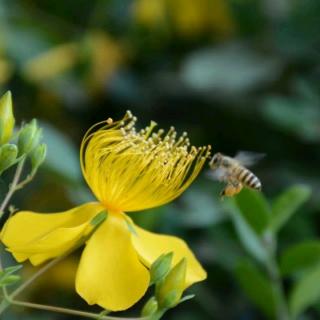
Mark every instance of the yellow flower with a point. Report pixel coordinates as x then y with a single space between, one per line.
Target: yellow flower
127 171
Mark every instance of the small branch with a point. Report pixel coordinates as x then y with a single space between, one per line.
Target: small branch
79 313
35 276
12 187
281 304
8 298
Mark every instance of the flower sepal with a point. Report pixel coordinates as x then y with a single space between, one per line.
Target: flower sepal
29 137
169 290
160 268
8 156
6 118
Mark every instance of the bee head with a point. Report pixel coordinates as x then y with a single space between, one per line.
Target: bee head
216 160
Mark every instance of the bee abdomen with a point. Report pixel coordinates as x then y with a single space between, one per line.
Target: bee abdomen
250 180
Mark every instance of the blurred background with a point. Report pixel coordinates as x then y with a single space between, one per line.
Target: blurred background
236 74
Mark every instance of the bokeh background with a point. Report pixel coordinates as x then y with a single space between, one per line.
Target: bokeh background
236 74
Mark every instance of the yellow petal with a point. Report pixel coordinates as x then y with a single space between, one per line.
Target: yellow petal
110 273
150 246
39 237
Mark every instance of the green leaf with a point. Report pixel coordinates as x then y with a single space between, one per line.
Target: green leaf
13 269
306 292
187 297
7 277
249 238
287 204
256 286
254 208
229 69
300 257
9 280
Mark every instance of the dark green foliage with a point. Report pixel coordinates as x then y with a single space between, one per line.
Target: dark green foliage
253 85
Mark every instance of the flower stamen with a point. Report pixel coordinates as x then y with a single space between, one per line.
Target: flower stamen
148 168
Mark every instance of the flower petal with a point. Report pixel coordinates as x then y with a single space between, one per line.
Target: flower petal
150 246
39 237
110 273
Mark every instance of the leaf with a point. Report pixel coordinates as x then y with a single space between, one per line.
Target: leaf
249 238
255 209
306 292
9 280
187 297
256 287
229 69
297 116
13 269
300 257
287 204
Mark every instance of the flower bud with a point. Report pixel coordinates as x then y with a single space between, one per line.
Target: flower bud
37 156
6 118
8 156
169 291
160 267
29 137
150 308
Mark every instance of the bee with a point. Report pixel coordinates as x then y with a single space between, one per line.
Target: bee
234 173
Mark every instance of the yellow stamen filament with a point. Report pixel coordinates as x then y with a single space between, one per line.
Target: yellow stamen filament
129 170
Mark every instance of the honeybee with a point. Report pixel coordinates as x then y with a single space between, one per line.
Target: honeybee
234 173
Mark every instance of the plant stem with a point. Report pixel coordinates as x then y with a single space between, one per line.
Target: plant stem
12 187
79 313
35 276
282 312
158 315
9 297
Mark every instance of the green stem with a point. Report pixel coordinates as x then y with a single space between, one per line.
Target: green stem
282 312
79 313
35 276
9 297
158 315
12 187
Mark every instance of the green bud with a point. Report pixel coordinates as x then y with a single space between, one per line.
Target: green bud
29 137
169 290
160 267
150 308
6 118
8 156
37 156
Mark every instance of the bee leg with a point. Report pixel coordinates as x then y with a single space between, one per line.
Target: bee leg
222 193
235 183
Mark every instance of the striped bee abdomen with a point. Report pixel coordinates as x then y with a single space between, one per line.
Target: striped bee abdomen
249 179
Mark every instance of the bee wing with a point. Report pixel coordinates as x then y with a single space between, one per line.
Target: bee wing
219 174
247 158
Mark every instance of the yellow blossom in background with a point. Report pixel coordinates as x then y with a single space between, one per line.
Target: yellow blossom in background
51 63
127 171
150 12
192 18
96 50
187 17
104 55
6 70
